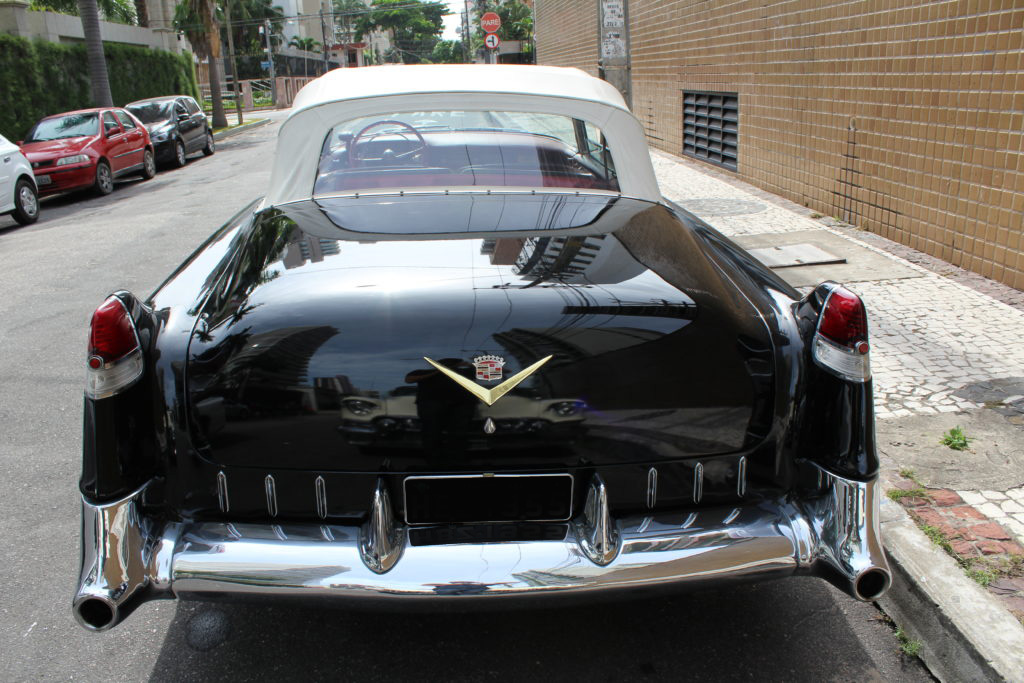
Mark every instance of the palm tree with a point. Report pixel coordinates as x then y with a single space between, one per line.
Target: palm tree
197 19
307 45
98 79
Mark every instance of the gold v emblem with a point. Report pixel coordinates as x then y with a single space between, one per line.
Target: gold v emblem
489 396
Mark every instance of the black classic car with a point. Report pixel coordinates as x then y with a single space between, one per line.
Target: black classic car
177 127
464 351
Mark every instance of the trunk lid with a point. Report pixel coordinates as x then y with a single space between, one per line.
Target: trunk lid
311 351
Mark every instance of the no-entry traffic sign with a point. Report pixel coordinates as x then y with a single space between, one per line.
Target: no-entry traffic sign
490 23
492 41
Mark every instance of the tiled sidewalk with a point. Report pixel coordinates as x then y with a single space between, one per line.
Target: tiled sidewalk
931 336
937 333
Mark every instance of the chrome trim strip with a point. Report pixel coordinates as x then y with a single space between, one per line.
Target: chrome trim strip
597 532
270 488
698 482
488 475
652 488
381 539
741 477
321 497
223 502
128 558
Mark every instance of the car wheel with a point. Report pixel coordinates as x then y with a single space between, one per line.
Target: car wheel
104 179
26 202
179 154
148 165
209 149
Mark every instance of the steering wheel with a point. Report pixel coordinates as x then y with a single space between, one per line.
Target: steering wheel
355 160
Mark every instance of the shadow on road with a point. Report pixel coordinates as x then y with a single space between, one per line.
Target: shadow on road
790 630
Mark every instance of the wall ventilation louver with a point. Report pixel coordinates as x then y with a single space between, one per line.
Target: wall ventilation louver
711 127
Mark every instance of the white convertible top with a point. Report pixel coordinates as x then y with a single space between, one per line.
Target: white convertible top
345 94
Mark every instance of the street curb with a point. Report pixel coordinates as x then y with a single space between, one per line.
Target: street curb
965 633
240 129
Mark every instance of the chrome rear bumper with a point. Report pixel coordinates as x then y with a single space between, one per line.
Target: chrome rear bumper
127 560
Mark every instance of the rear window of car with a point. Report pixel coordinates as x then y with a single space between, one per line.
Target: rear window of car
151 112
69 126
453 149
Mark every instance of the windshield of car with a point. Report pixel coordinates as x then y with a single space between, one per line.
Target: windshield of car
68 126
455 148
151 112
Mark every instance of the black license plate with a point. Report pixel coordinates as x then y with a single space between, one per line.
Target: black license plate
466 499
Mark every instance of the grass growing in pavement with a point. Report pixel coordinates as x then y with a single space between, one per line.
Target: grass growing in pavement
896 494
955 439
917 492
249 122
908 646
983 577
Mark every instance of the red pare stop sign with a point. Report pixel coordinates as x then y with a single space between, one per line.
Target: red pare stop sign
490 22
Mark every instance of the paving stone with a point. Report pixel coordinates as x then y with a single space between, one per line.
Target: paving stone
1013 603
963 548
989 530
994 495
1012 548
1007 585
990 510
945 497
972 497
1011 507
966 512
1016 494
930 517
990 547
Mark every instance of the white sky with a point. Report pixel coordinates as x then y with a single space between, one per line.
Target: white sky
451 22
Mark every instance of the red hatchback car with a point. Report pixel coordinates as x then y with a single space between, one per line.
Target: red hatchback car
88 148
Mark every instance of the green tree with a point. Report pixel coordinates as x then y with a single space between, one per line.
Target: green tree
99 82
307 44
119 11
449 52
346 15
516 23
246 18
197 19
415 26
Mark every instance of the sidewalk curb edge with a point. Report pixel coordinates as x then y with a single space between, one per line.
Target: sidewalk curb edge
240 129
965 633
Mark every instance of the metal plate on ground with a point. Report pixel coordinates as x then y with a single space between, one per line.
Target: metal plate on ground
790 255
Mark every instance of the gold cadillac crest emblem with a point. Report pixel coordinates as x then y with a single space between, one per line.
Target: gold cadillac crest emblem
489 396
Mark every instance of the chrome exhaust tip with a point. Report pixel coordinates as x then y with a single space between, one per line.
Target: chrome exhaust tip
115 576
871 584
95 613
848 547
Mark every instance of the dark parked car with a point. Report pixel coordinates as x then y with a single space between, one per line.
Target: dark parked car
590 390
177 126
89 148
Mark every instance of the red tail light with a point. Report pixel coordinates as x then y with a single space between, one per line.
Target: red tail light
115 358
841 341
112 335
844 320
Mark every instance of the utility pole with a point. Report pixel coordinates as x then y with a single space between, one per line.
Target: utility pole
270 58
234 64
323 34
466 39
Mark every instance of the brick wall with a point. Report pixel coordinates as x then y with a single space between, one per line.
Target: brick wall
904 117
566 33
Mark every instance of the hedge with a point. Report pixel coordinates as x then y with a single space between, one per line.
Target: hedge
42 78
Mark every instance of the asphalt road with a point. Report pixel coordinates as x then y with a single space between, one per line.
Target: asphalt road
55 273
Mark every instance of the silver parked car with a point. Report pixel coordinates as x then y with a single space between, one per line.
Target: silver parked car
18 195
